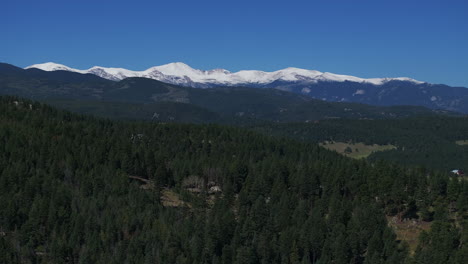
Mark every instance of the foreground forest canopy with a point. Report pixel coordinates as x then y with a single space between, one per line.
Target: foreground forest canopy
76 189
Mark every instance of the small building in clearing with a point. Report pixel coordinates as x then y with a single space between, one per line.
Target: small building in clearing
457 172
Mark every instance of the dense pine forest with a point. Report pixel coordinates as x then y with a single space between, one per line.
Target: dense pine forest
79 189
429 141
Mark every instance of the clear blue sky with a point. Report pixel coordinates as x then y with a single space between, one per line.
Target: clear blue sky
425 40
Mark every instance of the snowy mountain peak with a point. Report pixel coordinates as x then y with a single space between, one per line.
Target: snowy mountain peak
182 74
51 66
300 71
176 69
219 71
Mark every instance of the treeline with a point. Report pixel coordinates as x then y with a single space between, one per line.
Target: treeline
66 196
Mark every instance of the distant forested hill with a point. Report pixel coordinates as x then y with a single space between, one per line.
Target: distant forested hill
76 189
394 92
429 141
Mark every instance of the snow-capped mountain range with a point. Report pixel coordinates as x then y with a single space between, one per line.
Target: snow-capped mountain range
181 74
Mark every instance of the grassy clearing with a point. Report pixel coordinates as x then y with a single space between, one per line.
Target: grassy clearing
355 150
408 231
170 198
462 142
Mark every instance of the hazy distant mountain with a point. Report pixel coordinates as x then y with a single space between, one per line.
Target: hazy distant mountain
319 85
136 98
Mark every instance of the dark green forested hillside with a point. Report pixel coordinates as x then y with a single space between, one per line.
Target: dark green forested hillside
71 192
428 141
162 112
